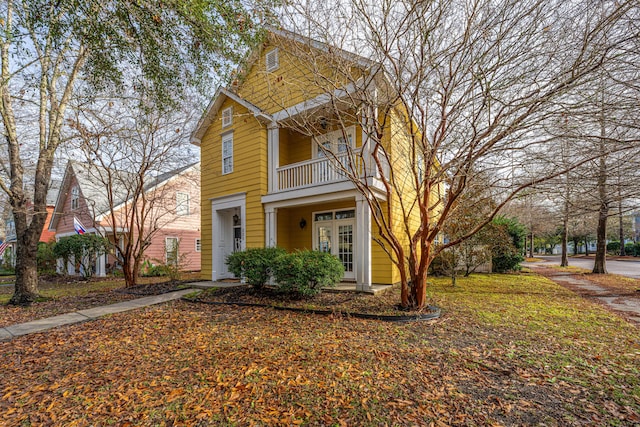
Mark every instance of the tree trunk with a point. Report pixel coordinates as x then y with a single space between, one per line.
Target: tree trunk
586 246
130 270
601 246
621 229
576 242
26 286
599 267
565 230
531 245
565 239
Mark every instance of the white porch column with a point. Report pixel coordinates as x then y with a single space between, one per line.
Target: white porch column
101 265
271 227
273 155
363 244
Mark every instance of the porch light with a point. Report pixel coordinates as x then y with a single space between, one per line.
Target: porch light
323 122
236 219
303 223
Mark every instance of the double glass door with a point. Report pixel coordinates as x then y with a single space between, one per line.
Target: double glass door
334 233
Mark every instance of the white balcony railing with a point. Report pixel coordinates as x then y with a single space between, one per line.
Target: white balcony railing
318 171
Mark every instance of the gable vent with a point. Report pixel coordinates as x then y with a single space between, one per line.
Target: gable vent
227 117
272 60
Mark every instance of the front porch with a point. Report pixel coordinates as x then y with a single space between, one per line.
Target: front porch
338 223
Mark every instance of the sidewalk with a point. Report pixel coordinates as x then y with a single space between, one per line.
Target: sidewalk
627 305
40 325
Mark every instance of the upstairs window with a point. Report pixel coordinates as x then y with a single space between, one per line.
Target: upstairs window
75 197
227 117
182 203
227 154
272 61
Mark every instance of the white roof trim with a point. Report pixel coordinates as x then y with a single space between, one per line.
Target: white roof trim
214 106
310 104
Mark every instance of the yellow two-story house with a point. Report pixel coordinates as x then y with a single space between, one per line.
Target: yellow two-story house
274 152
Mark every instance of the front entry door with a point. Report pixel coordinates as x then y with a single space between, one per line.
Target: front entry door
335 234
230 238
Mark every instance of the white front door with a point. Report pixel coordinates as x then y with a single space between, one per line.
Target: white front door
225 243
334 232
228 232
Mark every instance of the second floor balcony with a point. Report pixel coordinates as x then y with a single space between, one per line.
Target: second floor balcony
319 171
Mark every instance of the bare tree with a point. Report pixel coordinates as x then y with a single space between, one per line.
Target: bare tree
138 162
52 51
468 86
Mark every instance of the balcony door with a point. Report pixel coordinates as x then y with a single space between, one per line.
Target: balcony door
334 232
338 143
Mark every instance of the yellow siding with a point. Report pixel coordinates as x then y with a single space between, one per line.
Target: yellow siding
292 83
249 175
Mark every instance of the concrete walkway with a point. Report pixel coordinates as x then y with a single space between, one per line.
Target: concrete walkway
41 325
627 304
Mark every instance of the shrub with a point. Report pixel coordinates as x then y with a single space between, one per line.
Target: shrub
150 270
506 236
46 258
630 249
83 249
614 247
442 264
254 264
305 273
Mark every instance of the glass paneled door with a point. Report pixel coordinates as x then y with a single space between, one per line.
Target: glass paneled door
334 233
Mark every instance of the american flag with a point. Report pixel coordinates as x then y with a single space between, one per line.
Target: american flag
3 246
77 225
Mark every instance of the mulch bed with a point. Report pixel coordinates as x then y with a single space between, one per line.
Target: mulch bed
383 306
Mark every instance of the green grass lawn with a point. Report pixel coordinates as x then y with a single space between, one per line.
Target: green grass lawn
509 350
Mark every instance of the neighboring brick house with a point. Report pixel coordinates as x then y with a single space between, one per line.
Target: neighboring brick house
84 201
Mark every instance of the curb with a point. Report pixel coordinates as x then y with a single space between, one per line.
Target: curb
434 314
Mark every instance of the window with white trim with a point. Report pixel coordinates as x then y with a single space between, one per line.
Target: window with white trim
227 153
182 203
272 61
171 250
227 117
75 197
198 245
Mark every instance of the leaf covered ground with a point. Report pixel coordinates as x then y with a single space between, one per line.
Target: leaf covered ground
509 350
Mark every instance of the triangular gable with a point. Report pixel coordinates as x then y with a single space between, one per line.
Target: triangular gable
212 111
60 199
91 190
